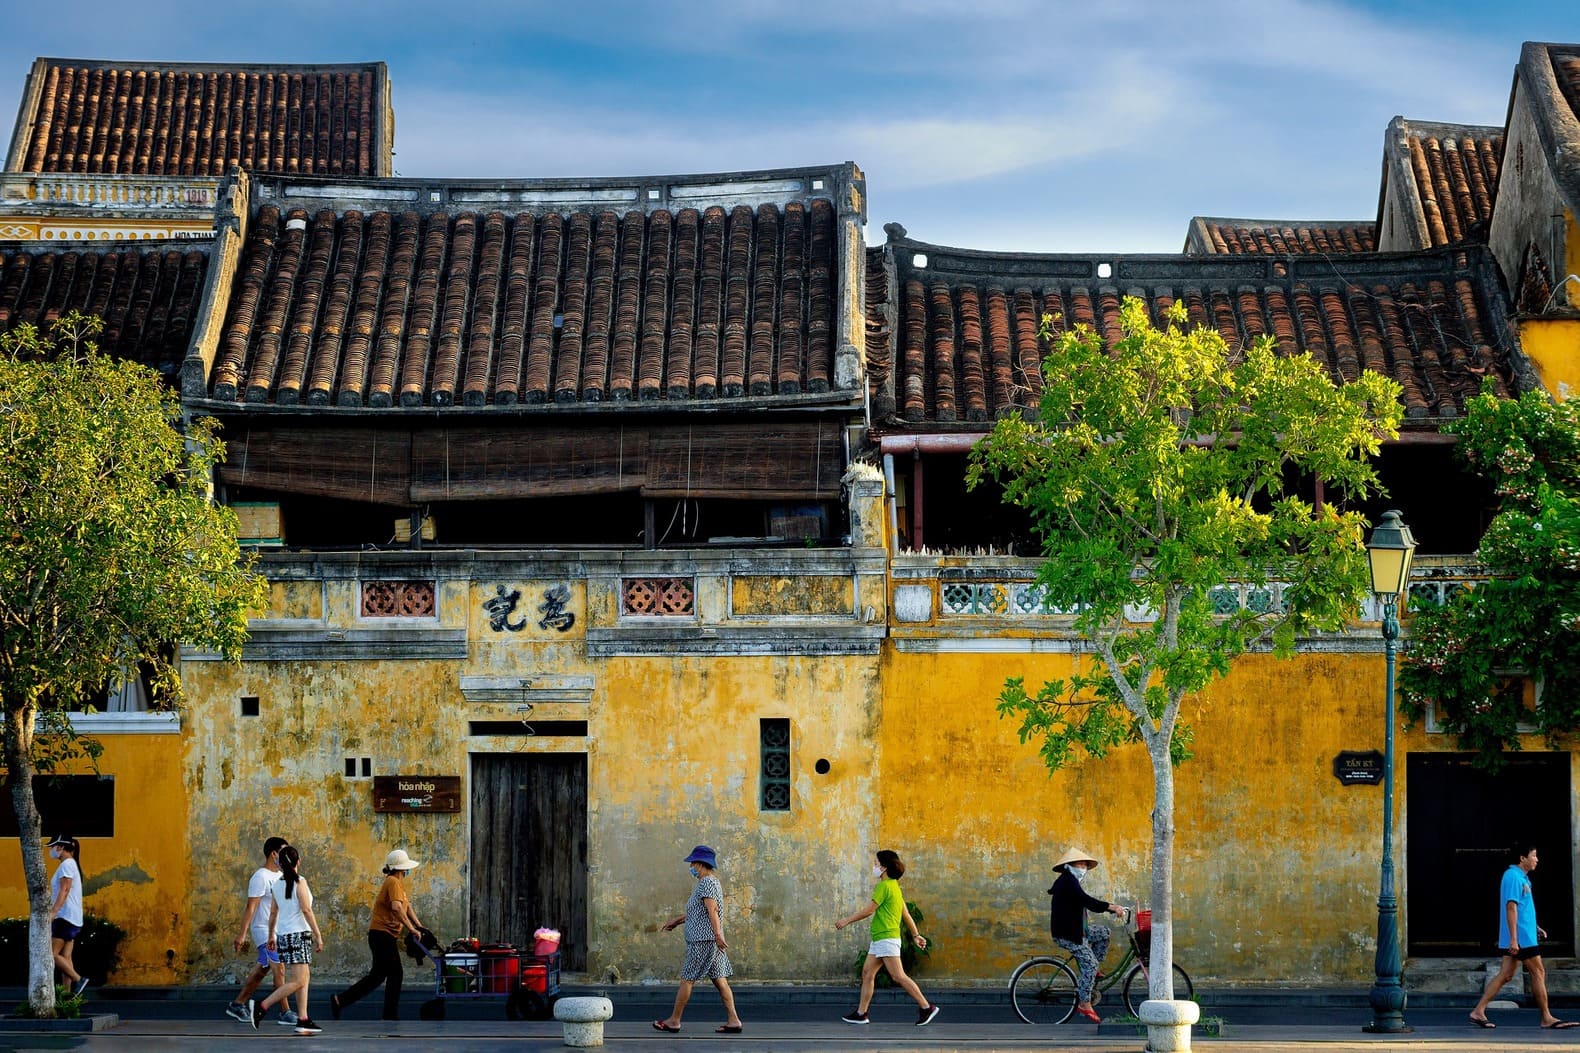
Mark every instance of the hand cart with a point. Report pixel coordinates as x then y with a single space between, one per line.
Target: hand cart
528 984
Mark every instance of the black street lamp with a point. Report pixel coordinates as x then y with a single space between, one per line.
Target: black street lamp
1389 552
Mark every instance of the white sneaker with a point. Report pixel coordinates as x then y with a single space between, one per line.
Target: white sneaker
287 1019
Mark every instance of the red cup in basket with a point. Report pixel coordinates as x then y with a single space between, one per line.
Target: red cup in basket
545 942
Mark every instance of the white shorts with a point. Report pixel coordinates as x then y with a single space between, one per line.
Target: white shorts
883 949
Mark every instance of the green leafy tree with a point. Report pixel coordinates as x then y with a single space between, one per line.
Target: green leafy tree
112 549
1157 472
1469 655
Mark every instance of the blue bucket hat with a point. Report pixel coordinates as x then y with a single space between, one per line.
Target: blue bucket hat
702 854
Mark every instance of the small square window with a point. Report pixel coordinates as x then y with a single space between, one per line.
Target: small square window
653 195
351 767
367 767
249 705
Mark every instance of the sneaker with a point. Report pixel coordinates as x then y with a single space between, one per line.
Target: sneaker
334 1006
854 1017
925 1016
305 1026
240 1013
287 1019
256 1013
79 987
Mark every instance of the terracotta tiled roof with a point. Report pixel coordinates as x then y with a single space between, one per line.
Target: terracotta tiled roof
1440 182
965 337
199 119
147 295
1209 236
378 308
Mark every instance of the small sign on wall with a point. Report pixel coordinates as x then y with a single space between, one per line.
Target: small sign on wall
1359 768
416 793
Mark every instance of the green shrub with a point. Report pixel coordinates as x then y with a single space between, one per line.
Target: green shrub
67 1005
96 952
910 954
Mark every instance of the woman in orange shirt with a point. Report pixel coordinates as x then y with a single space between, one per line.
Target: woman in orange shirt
392 914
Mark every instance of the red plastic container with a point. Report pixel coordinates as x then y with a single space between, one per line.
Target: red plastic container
1143 921
501 969
536 978
545 942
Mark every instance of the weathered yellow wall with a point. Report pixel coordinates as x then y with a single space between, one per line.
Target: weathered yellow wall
138 878
1276 863
676 764
1553 345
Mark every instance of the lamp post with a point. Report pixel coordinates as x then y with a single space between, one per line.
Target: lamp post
1389 552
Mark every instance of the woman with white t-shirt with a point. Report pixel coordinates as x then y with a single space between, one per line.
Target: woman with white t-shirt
293 933
65 890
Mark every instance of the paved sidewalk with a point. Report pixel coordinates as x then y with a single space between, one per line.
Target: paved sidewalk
180 1036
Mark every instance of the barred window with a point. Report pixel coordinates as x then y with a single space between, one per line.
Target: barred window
775 794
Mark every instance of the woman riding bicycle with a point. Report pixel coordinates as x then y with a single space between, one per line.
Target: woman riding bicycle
1067 924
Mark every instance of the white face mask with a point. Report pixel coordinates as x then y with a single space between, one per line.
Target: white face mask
877 870
54 853
1076 868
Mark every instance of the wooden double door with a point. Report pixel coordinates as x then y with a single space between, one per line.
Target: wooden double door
529 850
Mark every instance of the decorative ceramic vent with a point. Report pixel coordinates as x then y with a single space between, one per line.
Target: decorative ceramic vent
398 599
661 597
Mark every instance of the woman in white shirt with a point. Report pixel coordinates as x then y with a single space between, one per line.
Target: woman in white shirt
294 935
65 890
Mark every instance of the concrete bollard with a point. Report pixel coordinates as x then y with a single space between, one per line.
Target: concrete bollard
583 1019
1168 1024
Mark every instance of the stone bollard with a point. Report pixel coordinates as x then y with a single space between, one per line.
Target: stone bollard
583 1019
1168 1024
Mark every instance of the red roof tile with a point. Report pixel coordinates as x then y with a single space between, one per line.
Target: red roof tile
1443 179
200 119
1209 236
147 295
387 308
966 349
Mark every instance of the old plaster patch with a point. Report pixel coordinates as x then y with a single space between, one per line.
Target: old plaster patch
132 875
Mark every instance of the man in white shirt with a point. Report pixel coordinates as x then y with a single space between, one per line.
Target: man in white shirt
255 924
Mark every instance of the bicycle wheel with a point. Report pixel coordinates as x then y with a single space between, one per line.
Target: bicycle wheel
1136 988
1042 990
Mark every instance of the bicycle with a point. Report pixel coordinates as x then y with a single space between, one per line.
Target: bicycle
1042 988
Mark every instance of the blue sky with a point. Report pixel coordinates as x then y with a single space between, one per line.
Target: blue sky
994 124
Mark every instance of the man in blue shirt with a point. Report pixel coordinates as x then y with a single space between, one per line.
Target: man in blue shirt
1519 937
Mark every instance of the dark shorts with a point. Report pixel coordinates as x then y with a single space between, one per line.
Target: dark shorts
61 929
1523 954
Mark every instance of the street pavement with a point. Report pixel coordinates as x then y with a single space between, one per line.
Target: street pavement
788 1019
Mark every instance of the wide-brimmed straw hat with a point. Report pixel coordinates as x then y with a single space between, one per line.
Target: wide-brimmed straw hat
399 860
1075 855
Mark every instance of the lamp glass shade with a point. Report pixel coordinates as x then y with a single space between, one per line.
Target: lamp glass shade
1389 552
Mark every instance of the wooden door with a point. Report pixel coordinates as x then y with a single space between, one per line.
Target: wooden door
529 850
1463 821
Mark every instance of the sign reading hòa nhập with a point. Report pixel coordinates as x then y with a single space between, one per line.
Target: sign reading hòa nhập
416 793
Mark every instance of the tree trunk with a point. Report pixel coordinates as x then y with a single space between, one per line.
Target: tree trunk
18 752
1161 982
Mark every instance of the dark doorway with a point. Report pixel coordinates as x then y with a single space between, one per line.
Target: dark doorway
1462 824
529 850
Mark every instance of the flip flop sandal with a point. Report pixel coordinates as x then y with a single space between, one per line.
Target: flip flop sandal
1560 1025
1482 1023
726 1029
659 1025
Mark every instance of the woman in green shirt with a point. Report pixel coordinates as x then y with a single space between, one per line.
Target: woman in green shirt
887 911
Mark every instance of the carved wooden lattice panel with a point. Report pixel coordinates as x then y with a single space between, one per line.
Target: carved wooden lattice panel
397 599
664 597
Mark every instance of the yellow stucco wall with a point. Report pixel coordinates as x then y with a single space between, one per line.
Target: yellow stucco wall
1276 863
138 878
1553 345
